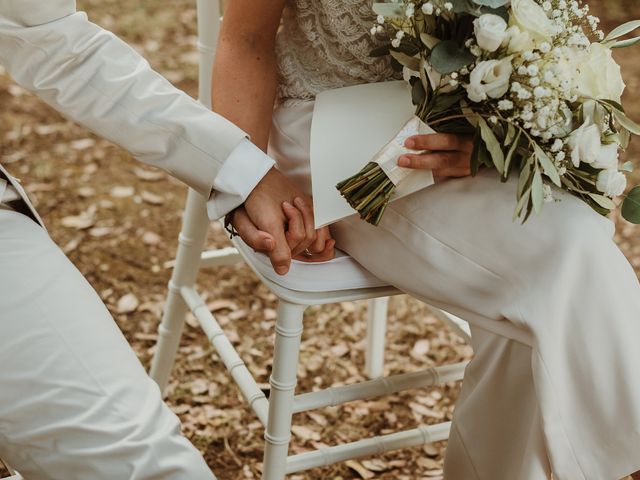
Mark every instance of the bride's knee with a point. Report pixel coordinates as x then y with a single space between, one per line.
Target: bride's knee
572 226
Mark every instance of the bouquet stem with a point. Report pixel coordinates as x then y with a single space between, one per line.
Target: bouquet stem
368 192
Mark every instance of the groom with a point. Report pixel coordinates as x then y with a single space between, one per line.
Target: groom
75 402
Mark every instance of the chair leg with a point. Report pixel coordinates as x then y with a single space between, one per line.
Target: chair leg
12 472
376 333
283 384
191 244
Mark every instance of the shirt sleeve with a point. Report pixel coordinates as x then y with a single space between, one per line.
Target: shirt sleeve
231 188
97 80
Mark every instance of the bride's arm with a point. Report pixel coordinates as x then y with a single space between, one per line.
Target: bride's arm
244 74
244 91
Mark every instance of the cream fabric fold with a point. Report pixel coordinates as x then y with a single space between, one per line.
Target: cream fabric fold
554 306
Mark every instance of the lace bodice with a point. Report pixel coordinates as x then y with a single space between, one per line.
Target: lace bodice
325 44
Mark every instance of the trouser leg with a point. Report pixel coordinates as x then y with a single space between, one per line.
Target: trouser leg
497 431
75 402
557 284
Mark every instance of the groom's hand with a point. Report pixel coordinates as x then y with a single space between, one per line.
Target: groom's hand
277 219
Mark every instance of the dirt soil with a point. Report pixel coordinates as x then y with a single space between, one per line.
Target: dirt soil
118 222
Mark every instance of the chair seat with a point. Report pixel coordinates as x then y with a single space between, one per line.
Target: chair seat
341 273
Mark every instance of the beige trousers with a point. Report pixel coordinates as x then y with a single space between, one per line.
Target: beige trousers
555 312
75 402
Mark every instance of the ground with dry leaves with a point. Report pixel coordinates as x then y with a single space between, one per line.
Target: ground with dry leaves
118 222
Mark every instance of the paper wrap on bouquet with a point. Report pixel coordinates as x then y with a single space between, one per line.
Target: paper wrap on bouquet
3 188
387 157
353 126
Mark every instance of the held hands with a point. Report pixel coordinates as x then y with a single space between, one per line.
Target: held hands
447 155
277 220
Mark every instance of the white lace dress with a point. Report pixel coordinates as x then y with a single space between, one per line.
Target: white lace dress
325 44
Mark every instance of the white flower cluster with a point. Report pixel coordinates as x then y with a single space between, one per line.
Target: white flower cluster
539 67
536 67
434 7
431 7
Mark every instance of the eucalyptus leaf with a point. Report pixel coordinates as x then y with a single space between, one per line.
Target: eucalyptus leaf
537 191
444 102
630 42
408 47
626 122
627 167
497 155
525 176
429 41
501 12
470 115
475 154
389 10
463 6
631 206
492 3
412 63
522 202
614 104
622 30
418 94
511 152
447 57
511 134
476 9
549 168
604 202
624 138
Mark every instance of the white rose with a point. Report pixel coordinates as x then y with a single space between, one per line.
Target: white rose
608 158
490 31
585 144
600 76
490 79
611 182
518 41
531 18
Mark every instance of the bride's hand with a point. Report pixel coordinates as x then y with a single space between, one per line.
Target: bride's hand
447 155
319 246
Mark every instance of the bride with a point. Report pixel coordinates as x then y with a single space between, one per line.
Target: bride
554 305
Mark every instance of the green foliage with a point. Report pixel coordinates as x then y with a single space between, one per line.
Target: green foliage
493 146
631 206
447 57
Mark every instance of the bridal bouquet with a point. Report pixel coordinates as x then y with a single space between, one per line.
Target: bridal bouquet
535 82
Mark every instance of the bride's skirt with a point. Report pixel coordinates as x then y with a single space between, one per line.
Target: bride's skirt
555 314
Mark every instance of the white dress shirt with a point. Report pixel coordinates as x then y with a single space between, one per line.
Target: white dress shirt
95 79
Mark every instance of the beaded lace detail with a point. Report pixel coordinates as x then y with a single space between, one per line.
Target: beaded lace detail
325 44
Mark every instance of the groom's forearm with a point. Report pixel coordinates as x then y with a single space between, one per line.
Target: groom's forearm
97 80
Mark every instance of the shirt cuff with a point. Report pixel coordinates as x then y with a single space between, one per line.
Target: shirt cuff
237 178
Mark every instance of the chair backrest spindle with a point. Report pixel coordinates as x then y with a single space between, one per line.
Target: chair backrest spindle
208 31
